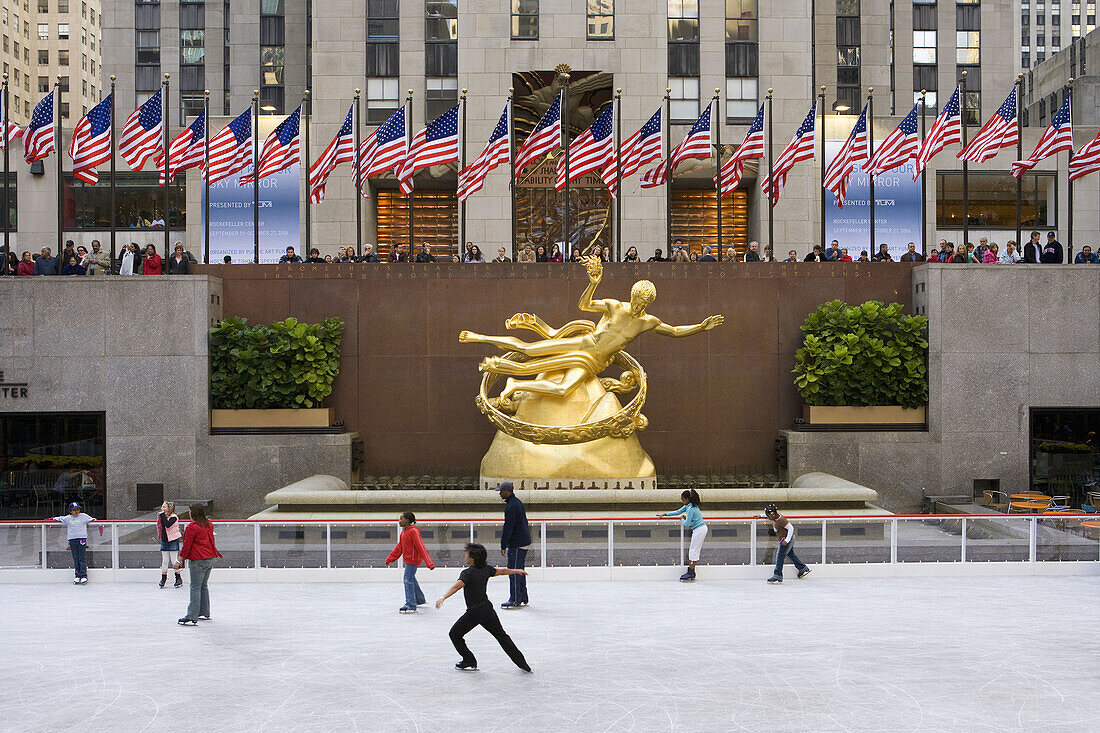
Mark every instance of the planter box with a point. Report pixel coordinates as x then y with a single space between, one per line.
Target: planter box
877 415
314 417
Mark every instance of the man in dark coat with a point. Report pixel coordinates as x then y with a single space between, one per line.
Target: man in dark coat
1052 252
515 538
1033 250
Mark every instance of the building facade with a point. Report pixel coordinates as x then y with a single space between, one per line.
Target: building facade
1048 27
69 53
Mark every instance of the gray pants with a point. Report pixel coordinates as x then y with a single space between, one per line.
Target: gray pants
200 595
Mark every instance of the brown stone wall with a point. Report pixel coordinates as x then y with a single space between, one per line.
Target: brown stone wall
407 386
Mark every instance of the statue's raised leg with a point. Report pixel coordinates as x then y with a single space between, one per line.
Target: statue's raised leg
569 382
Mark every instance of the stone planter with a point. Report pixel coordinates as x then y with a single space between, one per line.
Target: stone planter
315 417
876 415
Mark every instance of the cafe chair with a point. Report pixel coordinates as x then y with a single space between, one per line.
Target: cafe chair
996 500
1059 502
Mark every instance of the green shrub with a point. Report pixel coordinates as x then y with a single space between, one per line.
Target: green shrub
286 364
870 354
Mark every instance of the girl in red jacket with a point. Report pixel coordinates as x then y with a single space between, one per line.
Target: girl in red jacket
410 548
199 548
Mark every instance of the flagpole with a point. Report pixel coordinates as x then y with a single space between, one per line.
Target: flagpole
7 183
822 191
1019 156
716 125
1069 241
923 180
461 165
256 176
304 119
206 179
512 167
566 234
966 168
871 154
666 124
358 183
408 140
165 143
60 176
114 190
618 176
771 180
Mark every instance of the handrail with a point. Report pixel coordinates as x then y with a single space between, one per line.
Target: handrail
575 520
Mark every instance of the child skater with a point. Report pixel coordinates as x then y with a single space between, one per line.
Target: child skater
479 610
411 549
168 532
76 531
692 518
784 530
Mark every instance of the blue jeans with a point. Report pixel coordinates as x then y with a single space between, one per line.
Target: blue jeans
79 548
413 595
517 584
786 551
200 595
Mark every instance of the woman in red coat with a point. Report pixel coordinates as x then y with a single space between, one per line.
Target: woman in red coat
410 548
199 548
151 265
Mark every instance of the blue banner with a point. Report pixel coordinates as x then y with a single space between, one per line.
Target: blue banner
897 210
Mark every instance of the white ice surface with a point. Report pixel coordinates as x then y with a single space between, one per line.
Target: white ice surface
927 654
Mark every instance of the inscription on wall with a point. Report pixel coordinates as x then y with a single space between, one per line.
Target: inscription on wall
12 390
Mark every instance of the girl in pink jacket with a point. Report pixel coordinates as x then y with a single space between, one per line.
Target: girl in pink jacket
168 532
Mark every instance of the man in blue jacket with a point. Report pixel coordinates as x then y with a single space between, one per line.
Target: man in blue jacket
515 538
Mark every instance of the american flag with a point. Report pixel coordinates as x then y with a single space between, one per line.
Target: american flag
593 150
1000 131
644 146
435 144
1056 138
340 150
14 130
853 151
91 143
499 150
696 144
38 137
142 133
751 148
385 149
1086 160
898 147
282 149
799 149
231 149
188 149
655 176
543 138
945 130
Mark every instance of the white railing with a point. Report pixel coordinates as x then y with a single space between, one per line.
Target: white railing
851 541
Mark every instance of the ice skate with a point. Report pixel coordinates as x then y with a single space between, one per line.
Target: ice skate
83 581
688 576
407 609
163 580
803 573
510 605
204 618
76 581
464 667
177 584
187 622
775 580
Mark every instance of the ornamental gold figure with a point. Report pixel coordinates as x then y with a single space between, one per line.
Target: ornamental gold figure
566 404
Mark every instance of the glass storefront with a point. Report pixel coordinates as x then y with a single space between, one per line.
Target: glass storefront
435 221
1065 452
993 200
695 220
138 196
50 459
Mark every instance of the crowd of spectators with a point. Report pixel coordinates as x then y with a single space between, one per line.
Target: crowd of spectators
135 260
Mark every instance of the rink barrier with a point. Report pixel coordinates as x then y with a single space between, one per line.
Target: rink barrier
596 548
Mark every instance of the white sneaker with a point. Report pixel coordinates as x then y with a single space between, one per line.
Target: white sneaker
76 581
83 581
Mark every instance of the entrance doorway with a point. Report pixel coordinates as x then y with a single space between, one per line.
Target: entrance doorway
48 460
1065 452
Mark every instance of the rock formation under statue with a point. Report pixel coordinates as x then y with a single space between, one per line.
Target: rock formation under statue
565 424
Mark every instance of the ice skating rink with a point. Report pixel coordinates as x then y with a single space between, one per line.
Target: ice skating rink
822 654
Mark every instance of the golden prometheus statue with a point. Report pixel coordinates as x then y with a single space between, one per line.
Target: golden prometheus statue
565 422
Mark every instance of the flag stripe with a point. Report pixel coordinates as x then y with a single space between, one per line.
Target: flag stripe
497 151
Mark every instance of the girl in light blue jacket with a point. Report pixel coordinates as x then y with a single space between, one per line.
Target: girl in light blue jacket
692 519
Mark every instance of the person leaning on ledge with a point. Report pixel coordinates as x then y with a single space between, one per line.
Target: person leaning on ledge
99 261
707 256
289 256
815 256
912 255
527 255
369 255
315 257
425 253
501 256
1086 257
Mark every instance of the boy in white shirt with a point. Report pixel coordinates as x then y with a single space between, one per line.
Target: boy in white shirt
76 528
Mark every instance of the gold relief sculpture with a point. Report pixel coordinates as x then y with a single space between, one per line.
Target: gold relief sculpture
563 421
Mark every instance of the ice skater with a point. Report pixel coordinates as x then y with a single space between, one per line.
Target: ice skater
410 548
784 530
76 531
199 548
479 609
692 518
515 538
168 532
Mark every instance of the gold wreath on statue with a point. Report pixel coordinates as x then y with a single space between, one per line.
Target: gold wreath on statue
620 425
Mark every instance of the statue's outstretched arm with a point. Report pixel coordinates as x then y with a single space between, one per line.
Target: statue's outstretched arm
680 331
595 272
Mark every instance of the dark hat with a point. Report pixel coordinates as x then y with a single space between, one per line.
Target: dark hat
74 505
505 485
1050 234
771 509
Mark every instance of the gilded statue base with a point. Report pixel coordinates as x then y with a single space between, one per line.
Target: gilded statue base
607 458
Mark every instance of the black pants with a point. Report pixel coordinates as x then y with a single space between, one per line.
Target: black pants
486 617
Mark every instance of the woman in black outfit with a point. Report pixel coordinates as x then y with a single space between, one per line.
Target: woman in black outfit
479 610
540 254
631 255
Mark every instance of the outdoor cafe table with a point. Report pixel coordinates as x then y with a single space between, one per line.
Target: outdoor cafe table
1030 496
1031 505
